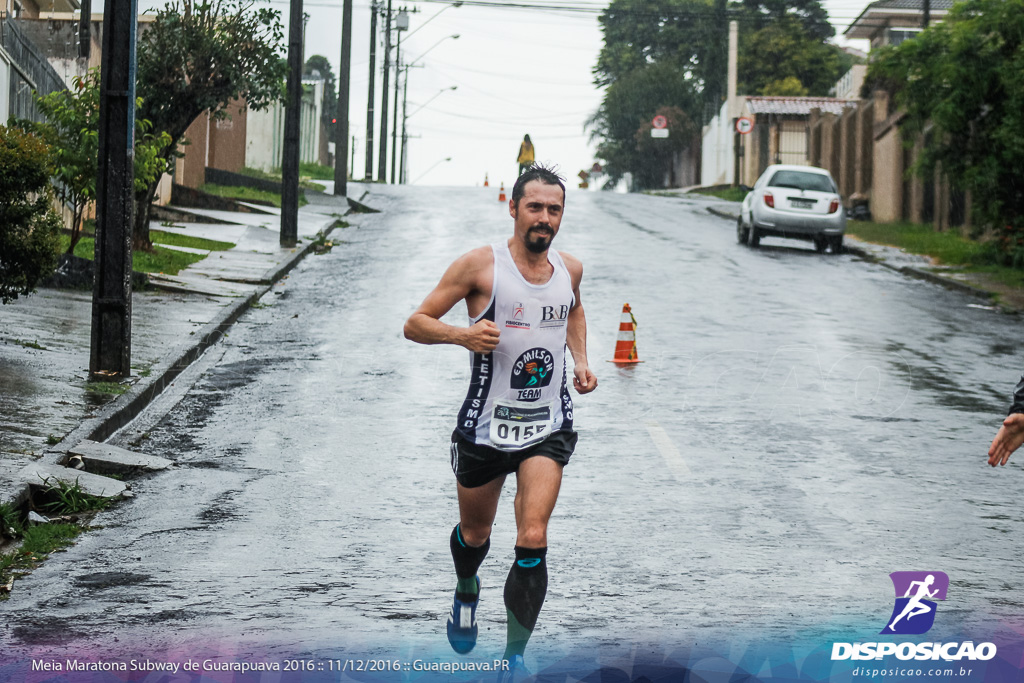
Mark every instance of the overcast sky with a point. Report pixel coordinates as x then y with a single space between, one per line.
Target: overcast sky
517 71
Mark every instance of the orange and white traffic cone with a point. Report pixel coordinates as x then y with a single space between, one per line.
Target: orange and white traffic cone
501 195
486 183
625 347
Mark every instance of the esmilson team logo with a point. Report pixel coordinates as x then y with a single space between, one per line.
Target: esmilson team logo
913 613
531 372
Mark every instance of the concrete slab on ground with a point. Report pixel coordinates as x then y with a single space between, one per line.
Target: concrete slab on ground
40 474
101 458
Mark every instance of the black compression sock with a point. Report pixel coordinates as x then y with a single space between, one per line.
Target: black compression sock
467 562
525 588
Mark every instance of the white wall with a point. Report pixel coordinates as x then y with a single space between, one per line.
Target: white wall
5 86
717 154
264 134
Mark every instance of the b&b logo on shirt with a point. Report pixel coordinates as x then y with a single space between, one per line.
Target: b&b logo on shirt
553 316
532 371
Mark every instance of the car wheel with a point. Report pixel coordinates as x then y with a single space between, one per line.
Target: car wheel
753 237
821 244
741 232
836 244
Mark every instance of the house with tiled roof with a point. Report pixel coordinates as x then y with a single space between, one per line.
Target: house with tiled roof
890 22
779 131
884 158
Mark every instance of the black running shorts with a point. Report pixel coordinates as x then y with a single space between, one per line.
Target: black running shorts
475 465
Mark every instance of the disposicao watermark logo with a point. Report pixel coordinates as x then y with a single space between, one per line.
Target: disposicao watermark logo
914 614
914 611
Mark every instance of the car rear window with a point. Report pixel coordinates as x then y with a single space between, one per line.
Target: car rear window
799 180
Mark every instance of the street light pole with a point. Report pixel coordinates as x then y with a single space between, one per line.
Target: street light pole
442 90
369 102
111 333
457 3
341 147
405 116
401 24
292 113
382 162
405 90
430 169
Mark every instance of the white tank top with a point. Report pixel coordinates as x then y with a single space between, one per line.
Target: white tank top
517 393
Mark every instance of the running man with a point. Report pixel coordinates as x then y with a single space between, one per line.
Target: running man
914 606
524 310
1011 435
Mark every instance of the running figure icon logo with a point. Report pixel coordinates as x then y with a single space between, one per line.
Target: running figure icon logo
914 611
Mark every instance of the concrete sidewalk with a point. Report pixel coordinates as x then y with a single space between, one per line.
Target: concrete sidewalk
47 403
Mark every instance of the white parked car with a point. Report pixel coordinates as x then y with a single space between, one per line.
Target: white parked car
799 202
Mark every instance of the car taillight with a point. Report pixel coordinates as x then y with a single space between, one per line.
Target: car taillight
834 206
769 200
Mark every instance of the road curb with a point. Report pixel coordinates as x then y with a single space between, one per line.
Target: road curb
906 270
128 405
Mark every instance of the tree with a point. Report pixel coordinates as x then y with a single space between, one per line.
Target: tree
29 228
659 152
656 54
630 104
199 56
811 16
71 131
319 67
640 33
962 81
784 49
670 53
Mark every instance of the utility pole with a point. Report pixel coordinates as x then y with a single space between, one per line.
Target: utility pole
405 93
369 100
926 19
382 163
85 30
341 148
401 24
292 115
110 352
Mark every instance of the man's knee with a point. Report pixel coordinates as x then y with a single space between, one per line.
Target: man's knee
474 534
532 534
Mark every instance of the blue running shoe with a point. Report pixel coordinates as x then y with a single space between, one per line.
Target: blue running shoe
462 628
515 670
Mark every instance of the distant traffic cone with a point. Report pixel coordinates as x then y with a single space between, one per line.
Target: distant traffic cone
501 195
625 347
486 184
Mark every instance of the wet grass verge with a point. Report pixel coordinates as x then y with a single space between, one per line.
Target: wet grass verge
250 194
732 194
307 173
160 260
949 248
111 388
25 544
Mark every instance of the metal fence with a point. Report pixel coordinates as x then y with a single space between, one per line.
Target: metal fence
31 75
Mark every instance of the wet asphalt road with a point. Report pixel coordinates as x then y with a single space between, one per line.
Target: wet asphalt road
802 426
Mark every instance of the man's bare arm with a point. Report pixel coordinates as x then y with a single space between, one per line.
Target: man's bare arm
583 379
461 281
1009 438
